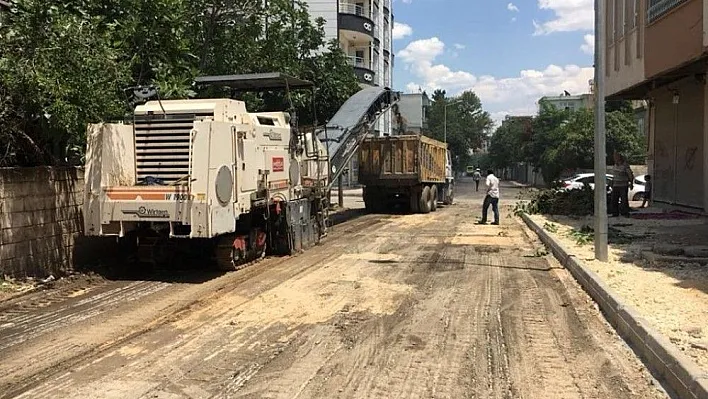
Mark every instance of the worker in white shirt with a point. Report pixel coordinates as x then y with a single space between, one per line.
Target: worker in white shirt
492 198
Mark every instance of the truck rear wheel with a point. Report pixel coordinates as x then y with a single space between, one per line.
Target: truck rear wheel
433 198
424 201
448 195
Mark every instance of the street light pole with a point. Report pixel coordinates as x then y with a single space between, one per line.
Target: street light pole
601 251
445 123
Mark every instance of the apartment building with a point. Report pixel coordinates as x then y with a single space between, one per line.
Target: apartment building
569 102
363 29
657 52
413 109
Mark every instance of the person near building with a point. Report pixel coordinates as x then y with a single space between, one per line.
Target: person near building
622 182
646 198
476 176
492 198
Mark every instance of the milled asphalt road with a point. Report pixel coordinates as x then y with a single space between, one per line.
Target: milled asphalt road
389 306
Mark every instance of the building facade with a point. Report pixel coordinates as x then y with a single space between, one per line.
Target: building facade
364 30
568 101
413 109
657 52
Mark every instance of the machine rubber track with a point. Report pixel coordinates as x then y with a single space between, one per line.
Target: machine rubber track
224 256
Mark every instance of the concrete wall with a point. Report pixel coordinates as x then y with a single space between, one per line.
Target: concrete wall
41 222
524 173
674 39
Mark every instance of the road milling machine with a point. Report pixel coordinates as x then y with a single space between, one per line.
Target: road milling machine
205 176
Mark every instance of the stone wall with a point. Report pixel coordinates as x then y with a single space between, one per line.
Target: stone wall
41 222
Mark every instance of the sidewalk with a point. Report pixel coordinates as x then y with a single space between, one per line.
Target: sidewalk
520 185
348 192
656 266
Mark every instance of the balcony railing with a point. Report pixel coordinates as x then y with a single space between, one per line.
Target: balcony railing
658 8
359 62
349 8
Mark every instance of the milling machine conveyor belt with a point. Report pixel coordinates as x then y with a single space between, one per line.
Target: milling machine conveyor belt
348 127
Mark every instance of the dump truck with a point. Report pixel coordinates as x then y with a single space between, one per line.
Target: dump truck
414 171
199 177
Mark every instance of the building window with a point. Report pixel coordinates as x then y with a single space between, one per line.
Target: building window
658 8
359 9
359 59
617 25
634 7
610 23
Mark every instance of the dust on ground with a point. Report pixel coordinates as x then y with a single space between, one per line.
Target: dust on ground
672 296
13 289
388 306
10 288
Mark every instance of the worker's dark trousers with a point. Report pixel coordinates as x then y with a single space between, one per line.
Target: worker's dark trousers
476 183
620 201
494 202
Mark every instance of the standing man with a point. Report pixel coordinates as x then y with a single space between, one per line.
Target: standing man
622 182
492 198
476 176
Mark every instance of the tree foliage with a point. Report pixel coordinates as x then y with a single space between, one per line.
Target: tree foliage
467 124
561 140
67 63
506 145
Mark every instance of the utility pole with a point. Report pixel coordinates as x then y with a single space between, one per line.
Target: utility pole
445 123
601 251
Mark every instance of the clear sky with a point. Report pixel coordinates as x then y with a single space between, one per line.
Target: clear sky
509 53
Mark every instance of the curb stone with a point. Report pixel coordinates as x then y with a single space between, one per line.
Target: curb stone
680 373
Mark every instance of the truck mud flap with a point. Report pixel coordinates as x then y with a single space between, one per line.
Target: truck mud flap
303 233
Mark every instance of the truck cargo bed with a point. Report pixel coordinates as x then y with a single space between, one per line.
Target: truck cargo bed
402 160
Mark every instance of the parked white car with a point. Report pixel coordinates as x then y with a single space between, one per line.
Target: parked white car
581 179
577 182
637 192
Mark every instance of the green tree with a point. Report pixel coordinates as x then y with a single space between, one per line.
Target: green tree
58 71
66 63
467 124
507 144
567 141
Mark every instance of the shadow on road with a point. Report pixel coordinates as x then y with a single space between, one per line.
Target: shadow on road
117 266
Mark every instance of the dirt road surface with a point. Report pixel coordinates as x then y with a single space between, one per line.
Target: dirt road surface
389 306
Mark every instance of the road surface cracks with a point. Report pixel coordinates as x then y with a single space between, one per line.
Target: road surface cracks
390 306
